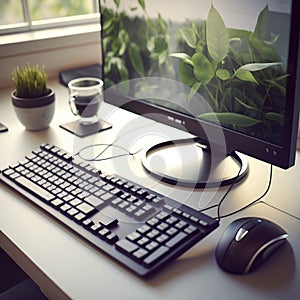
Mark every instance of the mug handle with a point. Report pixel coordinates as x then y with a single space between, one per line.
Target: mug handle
72 104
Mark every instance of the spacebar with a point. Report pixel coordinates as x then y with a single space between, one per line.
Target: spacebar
34 188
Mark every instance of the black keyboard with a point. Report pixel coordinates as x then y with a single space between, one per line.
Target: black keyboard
136 226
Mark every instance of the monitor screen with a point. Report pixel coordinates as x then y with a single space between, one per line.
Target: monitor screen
205 65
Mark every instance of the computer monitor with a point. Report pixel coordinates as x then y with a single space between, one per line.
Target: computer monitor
226 71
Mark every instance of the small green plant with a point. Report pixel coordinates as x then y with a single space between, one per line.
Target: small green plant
30 81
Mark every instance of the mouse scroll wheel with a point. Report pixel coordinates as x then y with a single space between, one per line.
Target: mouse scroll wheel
243 231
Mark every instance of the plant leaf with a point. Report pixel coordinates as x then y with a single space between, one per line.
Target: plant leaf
142 4
245 75
244 72
195 88
117 3
277 85
228 118
186 73
223 74
162 57
203 69
136 59
278 118
261 27
182 56
216 35
189 36
259 66
160 44
245 105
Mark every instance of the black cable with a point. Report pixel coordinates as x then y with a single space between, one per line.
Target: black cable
219 217
108 145
227 192
96 158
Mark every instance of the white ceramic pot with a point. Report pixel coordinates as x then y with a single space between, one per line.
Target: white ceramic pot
34 113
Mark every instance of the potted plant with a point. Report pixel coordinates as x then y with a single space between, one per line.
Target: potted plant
33 100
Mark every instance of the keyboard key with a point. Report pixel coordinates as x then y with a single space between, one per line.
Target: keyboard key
163 227
156 256
172 220
152 234
162 238
37 190
153 221
134 236
172 231
143 229
140 253
65 207
162 215
72 212
181 225
87 223
79 217
107 221
191 229
75 202
140 214
107 197
203 223
126 246
176 240
85 208
103 233
56 202
143 241
111 238
95 227
93 200
151 246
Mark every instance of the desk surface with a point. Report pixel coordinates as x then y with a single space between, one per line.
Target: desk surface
66 267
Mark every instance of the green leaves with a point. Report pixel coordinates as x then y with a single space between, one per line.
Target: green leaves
217 36
203 69
223 74
261 27
275 117
186 73
142 4
189 36
245 75
244 72
136 59
30 81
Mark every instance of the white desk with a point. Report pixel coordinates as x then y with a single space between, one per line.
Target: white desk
66 267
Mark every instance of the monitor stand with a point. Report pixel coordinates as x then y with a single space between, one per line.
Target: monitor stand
191 164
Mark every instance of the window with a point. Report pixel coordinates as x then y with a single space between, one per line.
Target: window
26 15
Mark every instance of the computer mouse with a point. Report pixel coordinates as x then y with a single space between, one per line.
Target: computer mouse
246 243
